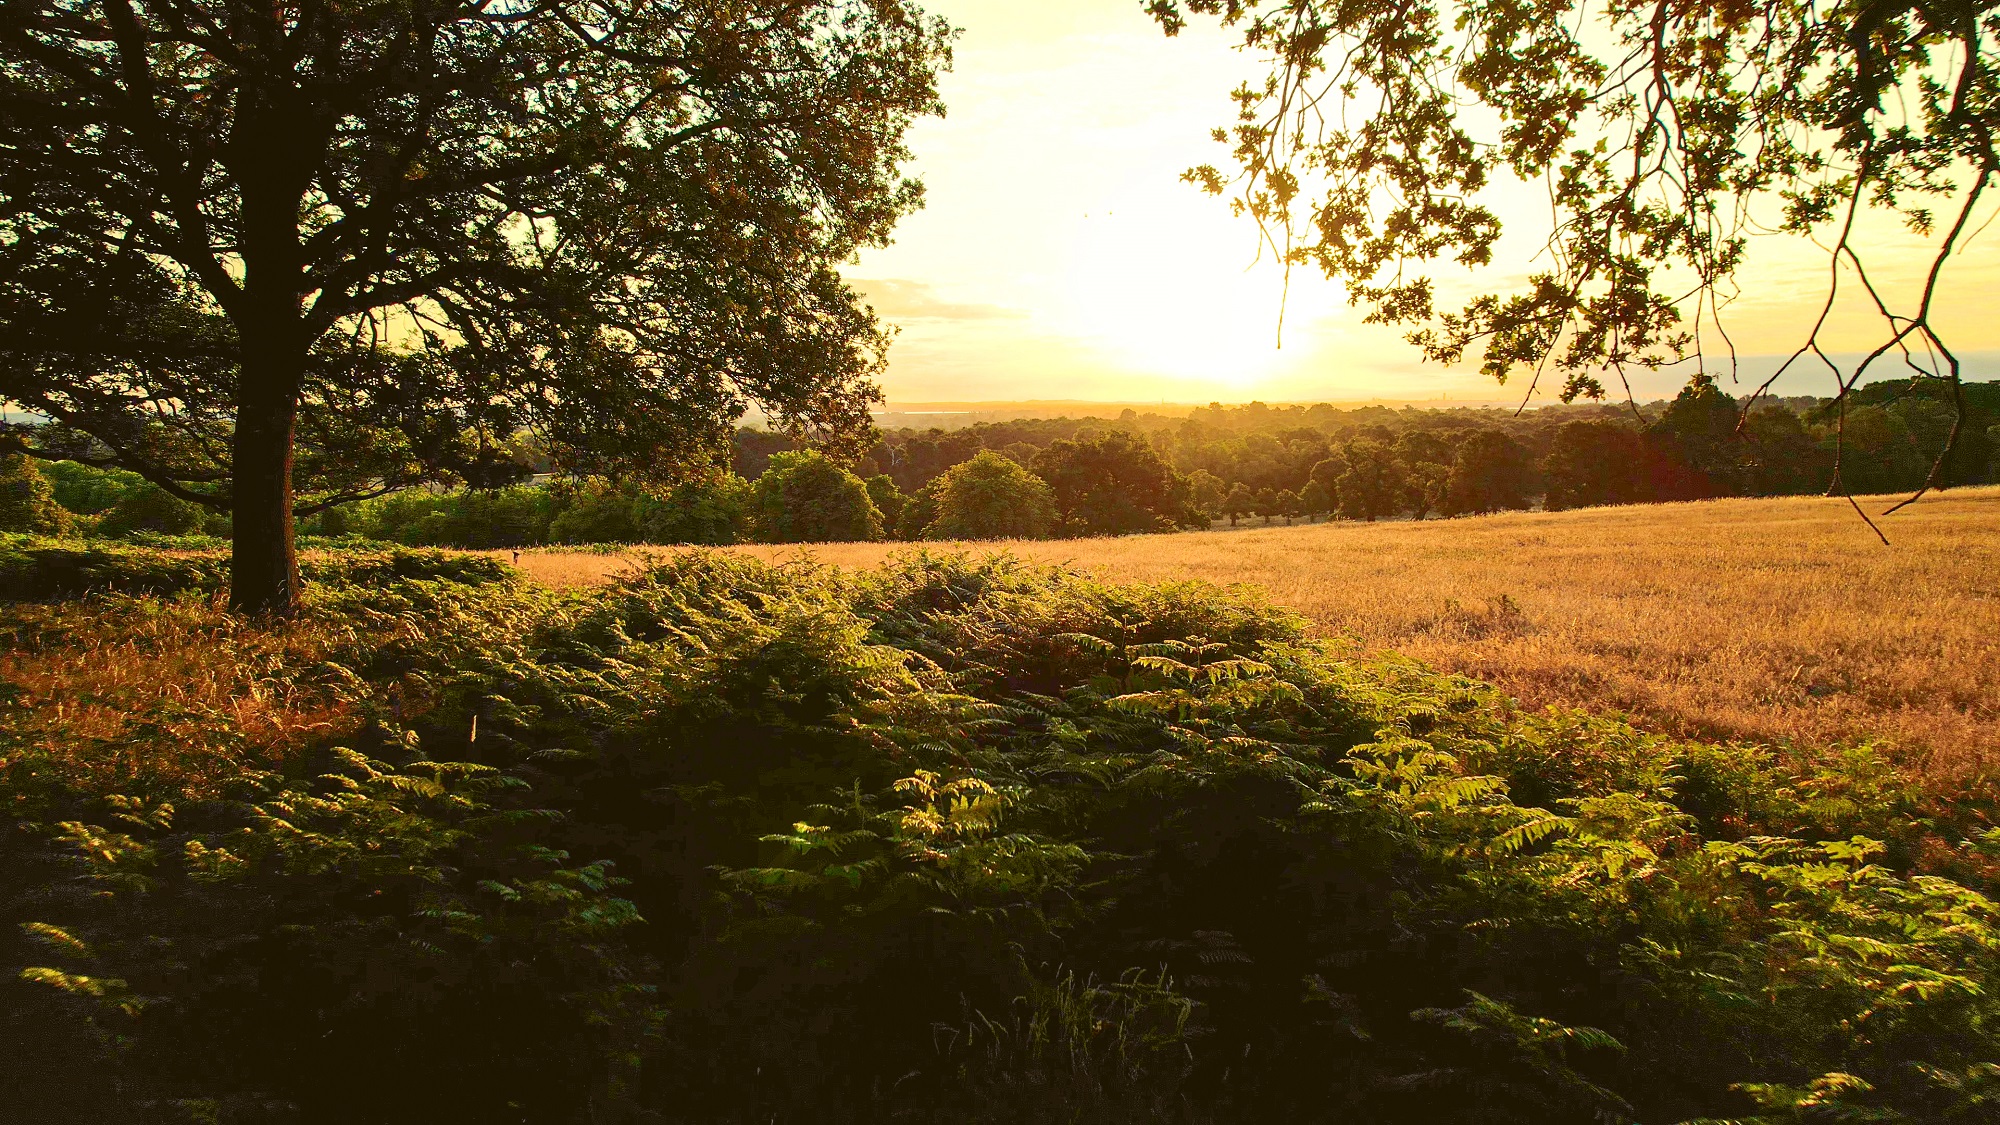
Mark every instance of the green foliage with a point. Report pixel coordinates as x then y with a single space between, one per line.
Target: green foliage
709 175
1594 463
804 497
1206 493
1667 136
27 502
962 839
596 511
510 517
86 489
1490 473
1114 484
1371 484
1314 499
1699 430
919 510
1239 503
889 499
992 497
40 569
146 507
713 510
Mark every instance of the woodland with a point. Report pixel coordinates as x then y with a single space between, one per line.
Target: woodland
1064 477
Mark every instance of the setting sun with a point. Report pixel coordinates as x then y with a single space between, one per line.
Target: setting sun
1162 287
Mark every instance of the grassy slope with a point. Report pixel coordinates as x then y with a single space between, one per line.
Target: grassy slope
1758 619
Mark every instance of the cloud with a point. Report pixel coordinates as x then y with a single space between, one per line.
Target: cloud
901 299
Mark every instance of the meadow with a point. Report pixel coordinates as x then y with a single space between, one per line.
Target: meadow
1771 620
956 838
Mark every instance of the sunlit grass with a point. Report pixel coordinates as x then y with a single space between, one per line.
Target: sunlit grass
1769 620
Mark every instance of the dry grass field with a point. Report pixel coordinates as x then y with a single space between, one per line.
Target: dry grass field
1765 620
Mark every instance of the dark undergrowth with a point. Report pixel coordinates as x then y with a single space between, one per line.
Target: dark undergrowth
961 840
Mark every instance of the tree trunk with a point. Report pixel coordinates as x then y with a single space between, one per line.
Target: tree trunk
264 560
270 157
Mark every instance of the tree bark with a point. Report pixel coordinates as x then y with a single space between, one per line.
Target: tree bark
264 560
263 557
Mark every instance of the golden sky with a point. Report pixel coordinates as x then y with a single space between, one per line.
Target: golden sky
1059 256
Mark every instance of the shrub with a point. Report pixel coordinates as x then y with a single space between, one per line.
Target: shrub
34 569
147 507
519 516
86 489
27 503
39 569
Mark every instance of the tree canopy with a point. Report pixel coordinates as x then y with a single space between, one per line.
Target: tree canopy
805 497
992 497
389 235
1372 484
1491 473
1666 134
1112 484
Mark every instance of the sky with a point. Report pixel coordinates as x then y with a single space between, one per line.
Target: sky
1060 257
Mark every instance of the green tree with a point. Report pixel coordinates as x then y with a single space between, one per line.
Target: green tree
1206 493
1593 463
27 501
889 500
1698 434
1782 459
707 510
1327 472
1113 483
1491 473
1315 500
88 490
620 227
1239 503
920 510
1288 505
805 497
992 497
1414 447
597 511
1371 486
1267 504
519 516
1424 485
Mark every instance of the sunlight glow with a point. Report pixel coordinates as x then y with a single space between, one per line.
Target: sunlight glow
1162 287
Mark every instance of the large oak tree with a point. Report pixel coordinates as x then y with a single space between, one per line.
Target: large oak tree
278 254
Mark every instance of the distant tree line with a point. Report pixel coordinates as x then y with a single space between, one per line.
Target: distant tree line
1041 478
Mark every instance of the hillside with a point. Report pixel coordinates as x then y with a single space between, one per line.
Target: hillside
1760 619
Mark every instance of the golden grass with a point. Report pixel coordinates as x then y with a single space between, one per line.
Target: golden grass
105 689
1765 620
